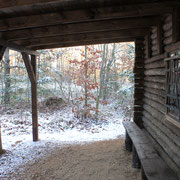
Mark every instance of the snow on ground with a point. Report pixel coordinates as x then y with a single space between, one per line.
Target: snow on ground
58 128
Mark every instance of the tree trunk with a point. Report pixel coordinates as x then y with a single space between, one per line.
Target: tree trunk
101 79
85 87
0 141
107 72
7 76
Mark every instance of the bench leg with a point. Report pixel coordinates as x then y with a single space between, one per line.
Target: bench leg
135 159
143 175
128 142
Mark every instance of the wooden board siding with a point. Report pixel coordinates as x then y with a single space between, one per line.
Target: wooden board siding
164 135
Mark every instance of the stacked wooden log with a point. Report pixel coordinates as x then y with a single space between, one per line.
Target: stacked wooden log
164 135
139 81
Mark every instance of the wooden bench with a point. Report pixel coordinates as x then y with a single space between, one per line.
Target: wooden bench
145 156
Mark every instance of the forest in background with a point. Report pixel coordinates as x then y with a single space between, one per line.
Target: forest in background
87 78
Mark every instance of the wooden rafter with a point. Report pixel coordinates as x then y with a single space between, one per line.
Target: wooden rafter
16 47
26 3
83 36
81 43
72 16
97 26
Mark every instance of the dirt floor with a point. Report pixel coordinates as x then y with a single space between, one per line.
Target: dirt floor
105 160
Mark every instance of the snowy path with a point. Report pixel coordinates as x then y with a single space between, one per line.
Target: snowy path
20 150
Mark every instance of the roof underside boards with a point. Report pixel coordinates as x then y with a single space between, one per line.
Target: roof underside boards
39 24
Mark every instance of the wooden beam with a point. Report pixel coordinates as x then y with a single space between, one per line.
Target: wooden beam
16 47
29 67
97 26
81 43
80 15
36 4
2 50
34 100
83 37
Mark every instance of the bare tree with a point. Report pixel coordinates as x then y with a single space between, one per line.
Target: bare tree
7 76
0 141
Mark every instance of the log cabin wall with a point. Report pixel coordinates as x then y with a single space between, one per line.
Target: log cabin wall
139 81
164 135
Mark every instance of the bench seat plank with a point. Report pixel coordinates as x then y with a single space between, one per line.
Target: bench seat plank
154 167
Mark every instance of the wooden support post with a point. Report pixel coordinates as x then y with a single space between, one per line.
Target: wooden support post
135 159
143 175
34 100
128 142
31 69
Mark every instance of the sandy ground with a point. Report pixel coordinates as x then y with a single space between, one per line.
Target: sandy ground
104 160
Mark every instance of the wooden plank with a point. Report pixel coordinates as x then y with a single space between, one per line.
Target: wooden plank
2 50
158 79
34 99
80 15
155 72
155 97
162 125
64 29
160 117
155 104
29 68
163 138
152 90
156 64
127 33
155 58
154 167
16 47
38 4
80 43
173 47
154 85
